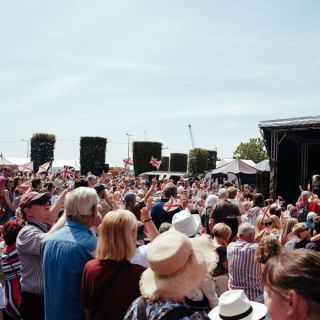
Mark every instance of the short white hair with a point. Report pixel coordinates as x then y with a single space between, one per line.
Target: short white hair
223 193
245 229
211 200
80 201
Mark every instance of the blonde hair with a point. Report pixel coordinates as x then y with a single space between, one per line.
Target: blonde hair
268 247
299 228
259 222
221 230
117 236
79 202
276 223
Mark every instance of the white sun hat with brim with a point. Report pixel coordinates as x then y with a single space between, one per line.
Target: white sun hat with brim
187 223
178 265
235 305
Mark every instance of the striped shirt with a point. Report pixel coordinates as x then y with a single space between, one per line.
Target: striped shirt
29 242
244 271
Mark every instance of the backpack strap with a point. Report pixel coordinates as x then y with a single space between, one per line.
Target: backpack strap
141 309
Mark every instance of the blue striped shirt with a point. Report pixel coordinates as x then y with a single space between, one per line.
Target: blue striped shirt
244 271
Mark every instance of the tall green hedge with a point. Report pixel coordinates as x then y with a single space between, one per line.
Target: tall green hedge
178 162
164 164
142 152
42 149
212 159
92 154
198 161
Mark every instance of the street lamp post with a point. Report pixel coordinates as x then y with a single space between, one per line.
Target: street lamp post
27 141
129 135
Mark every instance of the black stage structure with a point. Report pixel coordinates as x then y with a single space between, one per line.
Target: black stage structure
293 146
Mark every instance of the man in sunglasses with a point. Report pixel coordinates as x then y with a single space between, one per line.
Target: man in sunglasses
35 209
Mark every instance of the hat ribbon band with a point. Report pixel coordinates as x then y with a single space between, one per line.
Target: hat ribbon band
238 316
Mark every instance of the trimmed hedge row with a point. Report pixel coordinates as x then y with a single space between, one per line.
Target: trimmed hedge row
142 152
42 149
92 154
178 162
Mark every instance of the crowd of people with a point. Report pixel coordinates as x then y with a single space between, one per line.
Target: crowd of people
124 247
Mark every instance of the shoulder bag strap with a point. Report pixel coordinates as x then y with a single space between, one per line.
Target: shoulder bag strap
141 309
106 287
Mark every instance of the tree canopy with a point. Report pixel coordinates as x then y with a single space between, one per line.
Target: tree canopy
253 150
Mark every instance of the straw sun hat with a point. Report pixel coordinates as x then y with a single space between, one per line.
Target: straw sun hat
178 265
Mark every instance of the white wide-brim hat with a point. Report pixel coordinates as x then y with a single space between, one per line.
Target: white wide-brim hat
178 265
187 223
234 304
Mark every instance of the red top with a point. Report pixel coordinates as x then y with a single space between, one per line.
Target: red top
121 294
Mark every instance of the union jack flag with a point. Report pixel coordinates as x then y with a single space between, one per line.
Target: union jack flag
68 172
155 162
171 205
127 162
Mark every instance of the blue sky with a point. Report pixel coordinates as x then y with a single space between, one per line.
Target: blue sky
149 68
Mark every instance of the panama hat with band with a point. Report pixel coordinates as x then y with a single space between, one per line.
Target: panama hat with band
178 265
187 223
235 305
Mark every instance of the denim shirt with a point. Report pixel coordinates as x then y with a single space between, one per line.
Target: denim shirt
64 256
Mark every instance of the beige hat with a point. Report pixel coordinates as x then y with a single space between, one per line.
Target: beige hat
178 265
234 304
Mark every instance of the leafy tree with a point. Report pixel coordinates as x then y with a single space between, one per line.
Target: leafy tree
42 148
198 161
212 159
253 150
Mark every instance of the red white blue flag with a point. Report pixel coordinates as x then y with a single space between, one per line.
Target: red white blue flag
155 162
127 162
68 172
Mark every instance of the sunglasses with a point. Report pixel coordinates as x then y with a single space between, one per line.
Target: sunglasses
40 202
268 223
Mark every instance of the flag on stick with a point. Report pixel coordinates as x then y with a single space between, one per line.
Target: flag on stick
155 162
68 172
127 162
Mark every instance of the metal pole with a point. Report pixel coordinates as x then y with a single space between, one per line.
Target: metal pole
27 146
129 135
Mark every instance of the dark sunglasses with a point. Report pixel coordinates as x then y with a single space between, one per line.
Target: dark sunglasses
40 202
268 223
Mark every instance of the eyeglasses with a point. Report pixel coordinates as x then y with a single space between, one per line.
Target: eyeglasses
268 223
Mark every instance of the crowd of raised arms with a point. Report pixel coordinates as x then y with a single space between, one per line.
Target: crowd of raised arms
121 247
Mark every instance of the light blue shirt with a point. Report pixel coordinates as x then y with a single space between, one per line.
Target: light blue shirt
64 256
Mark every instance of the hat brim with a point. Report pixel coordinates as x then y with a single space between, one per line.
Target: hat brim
177 286
36 197
259 311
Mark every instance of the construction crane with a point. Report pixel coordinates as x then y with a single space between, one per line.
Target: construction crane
191 136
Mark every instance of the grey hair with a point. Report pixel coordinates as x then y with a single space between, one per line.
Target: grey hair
79 202
245 229
223 193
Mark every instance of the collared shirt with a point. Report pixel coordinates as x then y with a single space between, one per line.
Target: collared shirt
29 242
244 271
290 243
64 256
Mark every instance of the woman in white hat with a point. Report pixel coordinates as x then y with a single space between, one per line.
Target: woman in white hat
235 305
178 267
